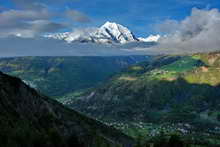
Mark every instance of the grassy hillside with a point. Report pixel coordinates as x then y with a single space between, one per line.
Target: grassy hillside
172 94
57 76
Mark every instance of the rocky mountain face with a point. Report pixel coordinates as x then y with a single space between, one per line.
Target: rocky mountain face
168 93
110 32
28 119
58 76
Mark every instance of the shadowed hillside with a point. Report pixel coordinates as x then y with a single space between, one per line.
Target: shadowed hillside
29 119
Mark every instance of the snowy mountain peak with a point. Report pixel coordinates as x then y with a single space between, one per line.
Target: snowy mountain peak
110 32
112 26
116 32
109 24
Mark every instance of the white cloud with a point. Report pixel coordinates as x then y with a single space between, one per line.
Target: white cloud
7 17
197 33
31 18
27 23
151 38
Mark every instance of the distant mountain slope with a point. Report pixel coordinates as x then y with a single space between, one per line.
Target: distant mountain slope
57 76
29 119
169 93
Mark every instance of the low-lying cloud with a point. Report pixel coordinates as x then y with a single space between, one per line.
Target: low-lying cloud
16 46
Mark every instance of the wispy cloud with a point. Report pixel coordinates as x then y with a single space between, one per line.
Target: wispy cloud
77 16
36 4
193 2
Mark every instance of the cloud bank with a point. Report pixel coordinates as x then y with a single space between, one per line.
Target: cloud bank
16 46
197 33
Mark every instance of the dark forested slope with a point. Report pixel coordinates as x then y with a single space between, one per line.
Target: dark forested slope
28 119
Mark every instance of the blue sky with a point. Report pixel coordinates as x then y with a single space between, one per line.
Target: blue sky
140 16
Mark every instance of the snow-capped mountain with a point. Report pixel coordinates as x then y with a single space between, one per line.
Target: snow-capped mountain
116 33
108 33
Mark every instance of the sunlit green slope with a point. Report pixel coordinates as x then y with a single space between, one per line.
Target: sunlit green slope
170 93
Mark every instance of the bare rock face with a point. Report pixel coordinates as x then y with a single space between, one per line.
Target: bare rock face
28 118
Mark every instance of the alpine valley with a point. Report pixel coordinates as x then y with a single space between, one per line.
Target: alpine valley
151 100
109 73
168 95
